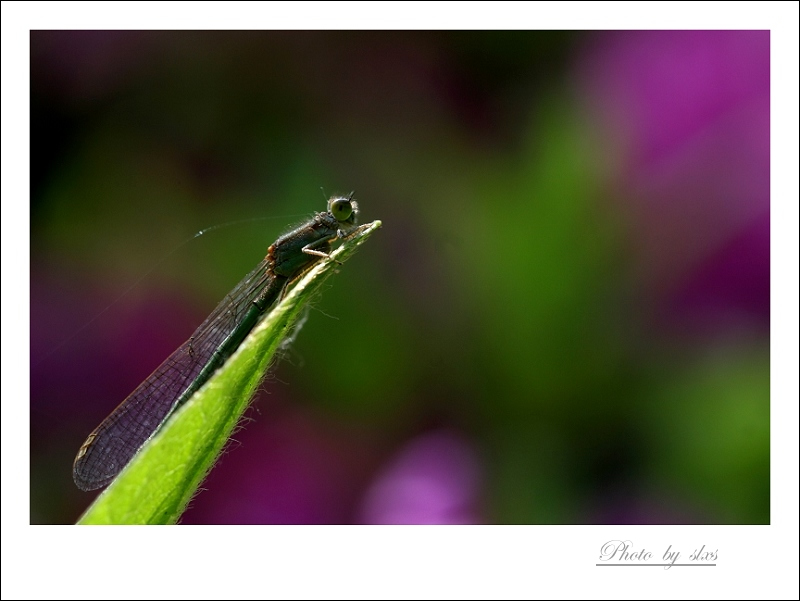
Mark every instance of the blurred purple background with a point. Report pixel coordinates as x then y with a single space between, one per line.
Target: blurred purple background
564 320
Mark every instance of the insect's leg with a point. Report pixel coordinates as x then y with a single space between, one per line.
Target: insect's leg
310 249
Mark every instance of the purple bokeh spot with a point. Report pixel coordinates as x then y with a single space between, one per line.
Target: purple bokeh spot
731 287
432 480
689 112
669 86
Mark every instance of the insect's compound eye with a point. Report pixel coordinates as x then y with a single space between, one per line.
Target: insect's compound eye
341 209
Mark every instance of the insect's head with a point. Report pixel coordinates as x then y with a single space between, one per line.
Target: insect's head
344 208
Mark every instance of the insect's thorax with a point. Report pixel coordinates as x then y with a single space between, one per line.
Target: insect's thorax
286 252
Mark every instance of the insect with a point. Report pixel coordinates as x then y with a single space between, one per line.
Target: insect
110 447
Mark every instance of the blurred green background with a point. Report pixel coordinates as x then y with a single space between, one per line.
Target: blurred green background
564 320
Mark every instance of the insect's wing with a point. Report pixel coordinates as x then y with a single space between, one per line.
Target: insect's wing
117 439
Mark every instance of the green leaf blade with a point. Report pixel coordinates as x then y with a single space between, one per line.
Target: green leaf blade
161 479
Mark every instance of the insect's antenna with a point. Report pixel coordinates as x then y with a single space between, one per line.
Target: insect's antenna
144 276
350 196
325 196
